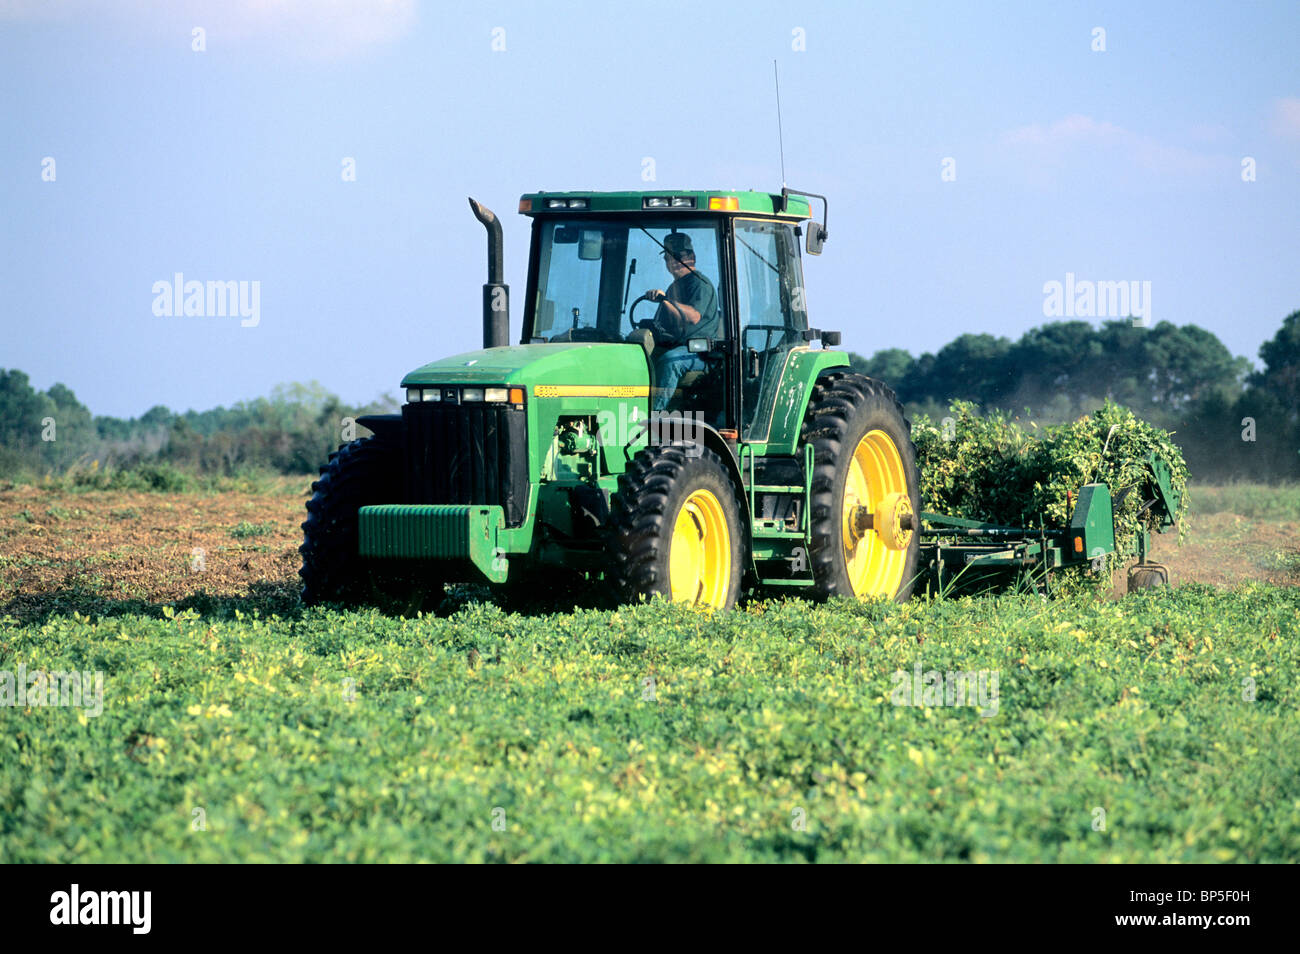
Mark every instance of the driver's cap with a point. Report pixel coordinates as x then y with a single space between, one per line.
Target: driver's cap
678 243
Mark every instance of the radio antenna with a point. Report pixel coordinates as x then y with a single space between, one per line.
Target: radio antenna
780 135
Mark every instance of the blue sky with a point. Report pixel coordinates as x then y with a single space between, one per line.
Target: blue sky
225 165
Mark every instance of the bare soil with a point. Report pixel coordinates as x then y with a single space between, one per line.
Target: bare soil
1224 549
98 550
105 552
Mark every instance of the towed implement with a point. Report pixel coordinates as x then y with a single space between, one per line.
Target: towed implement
668 423
970 554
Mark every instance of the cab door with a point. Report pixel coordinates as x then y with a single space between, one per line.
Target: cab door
772 315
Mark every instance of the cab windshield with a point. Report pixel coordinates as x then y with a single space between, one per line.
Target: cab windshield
592 272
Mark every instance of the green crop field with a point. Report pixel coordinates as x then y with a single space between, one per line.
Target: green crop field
1158 728
1256 501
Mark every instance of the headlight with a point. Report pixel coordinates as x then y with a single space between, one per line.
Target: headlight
499 395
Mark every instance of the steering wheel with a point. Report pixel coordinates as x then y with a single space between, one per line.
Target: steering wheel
631 315
660 331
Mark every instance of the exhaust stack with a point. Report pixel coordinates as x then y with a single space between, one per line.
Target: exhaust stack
496 293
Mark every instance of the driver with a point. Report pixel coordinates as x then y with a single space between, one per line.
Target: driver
688 309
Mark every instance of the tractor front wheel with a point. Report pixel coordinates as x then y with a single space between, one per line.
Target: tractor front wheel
676 529
358 474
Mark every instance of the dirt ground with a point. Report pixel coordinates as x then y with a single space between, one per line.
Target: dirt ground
100 551
1223 549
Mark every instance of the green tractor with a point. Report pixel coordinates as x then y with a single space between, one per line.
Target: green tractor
669 423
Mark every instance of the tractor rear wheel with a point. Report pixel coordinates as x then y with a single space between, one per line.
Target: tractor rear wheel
865 490
364 472
676 529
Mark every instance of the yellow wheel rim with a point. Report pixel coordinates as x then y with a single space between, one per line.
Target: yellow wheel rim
876 557
699 560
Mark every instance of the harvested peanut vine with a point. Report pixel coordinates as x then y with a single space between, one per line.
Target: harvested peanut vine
992 468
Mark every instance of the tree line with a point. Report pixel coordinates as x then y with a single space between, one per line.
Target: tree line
1233 421
290 432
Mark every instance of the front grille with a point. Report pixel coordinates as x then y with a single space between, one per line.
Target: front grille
467 454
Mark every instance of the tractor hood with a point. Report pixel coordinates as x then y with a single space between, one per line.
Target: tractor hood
576 363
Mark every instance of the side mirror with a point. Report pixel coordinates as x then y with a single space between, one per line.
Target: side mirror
816 238
829 339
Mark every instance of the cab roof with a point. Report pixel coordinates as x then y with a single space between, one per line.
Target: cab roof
678 200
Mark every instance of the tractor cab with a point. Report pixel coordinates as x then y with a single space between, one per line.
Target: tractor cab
709 285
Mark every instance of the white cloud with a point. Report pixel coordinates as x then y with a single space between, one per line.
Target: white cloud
1078 137
1286 118
1210 133
1071 129
324 29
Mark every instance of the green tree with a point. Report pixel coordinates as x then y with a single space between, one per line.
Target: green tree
75 428
1280 375
1189 364
1122 371
1059 365
892 366
22 408
974 367
1272 401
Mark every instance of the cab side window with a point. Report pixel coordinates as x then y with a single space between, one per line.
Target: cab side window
769 282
